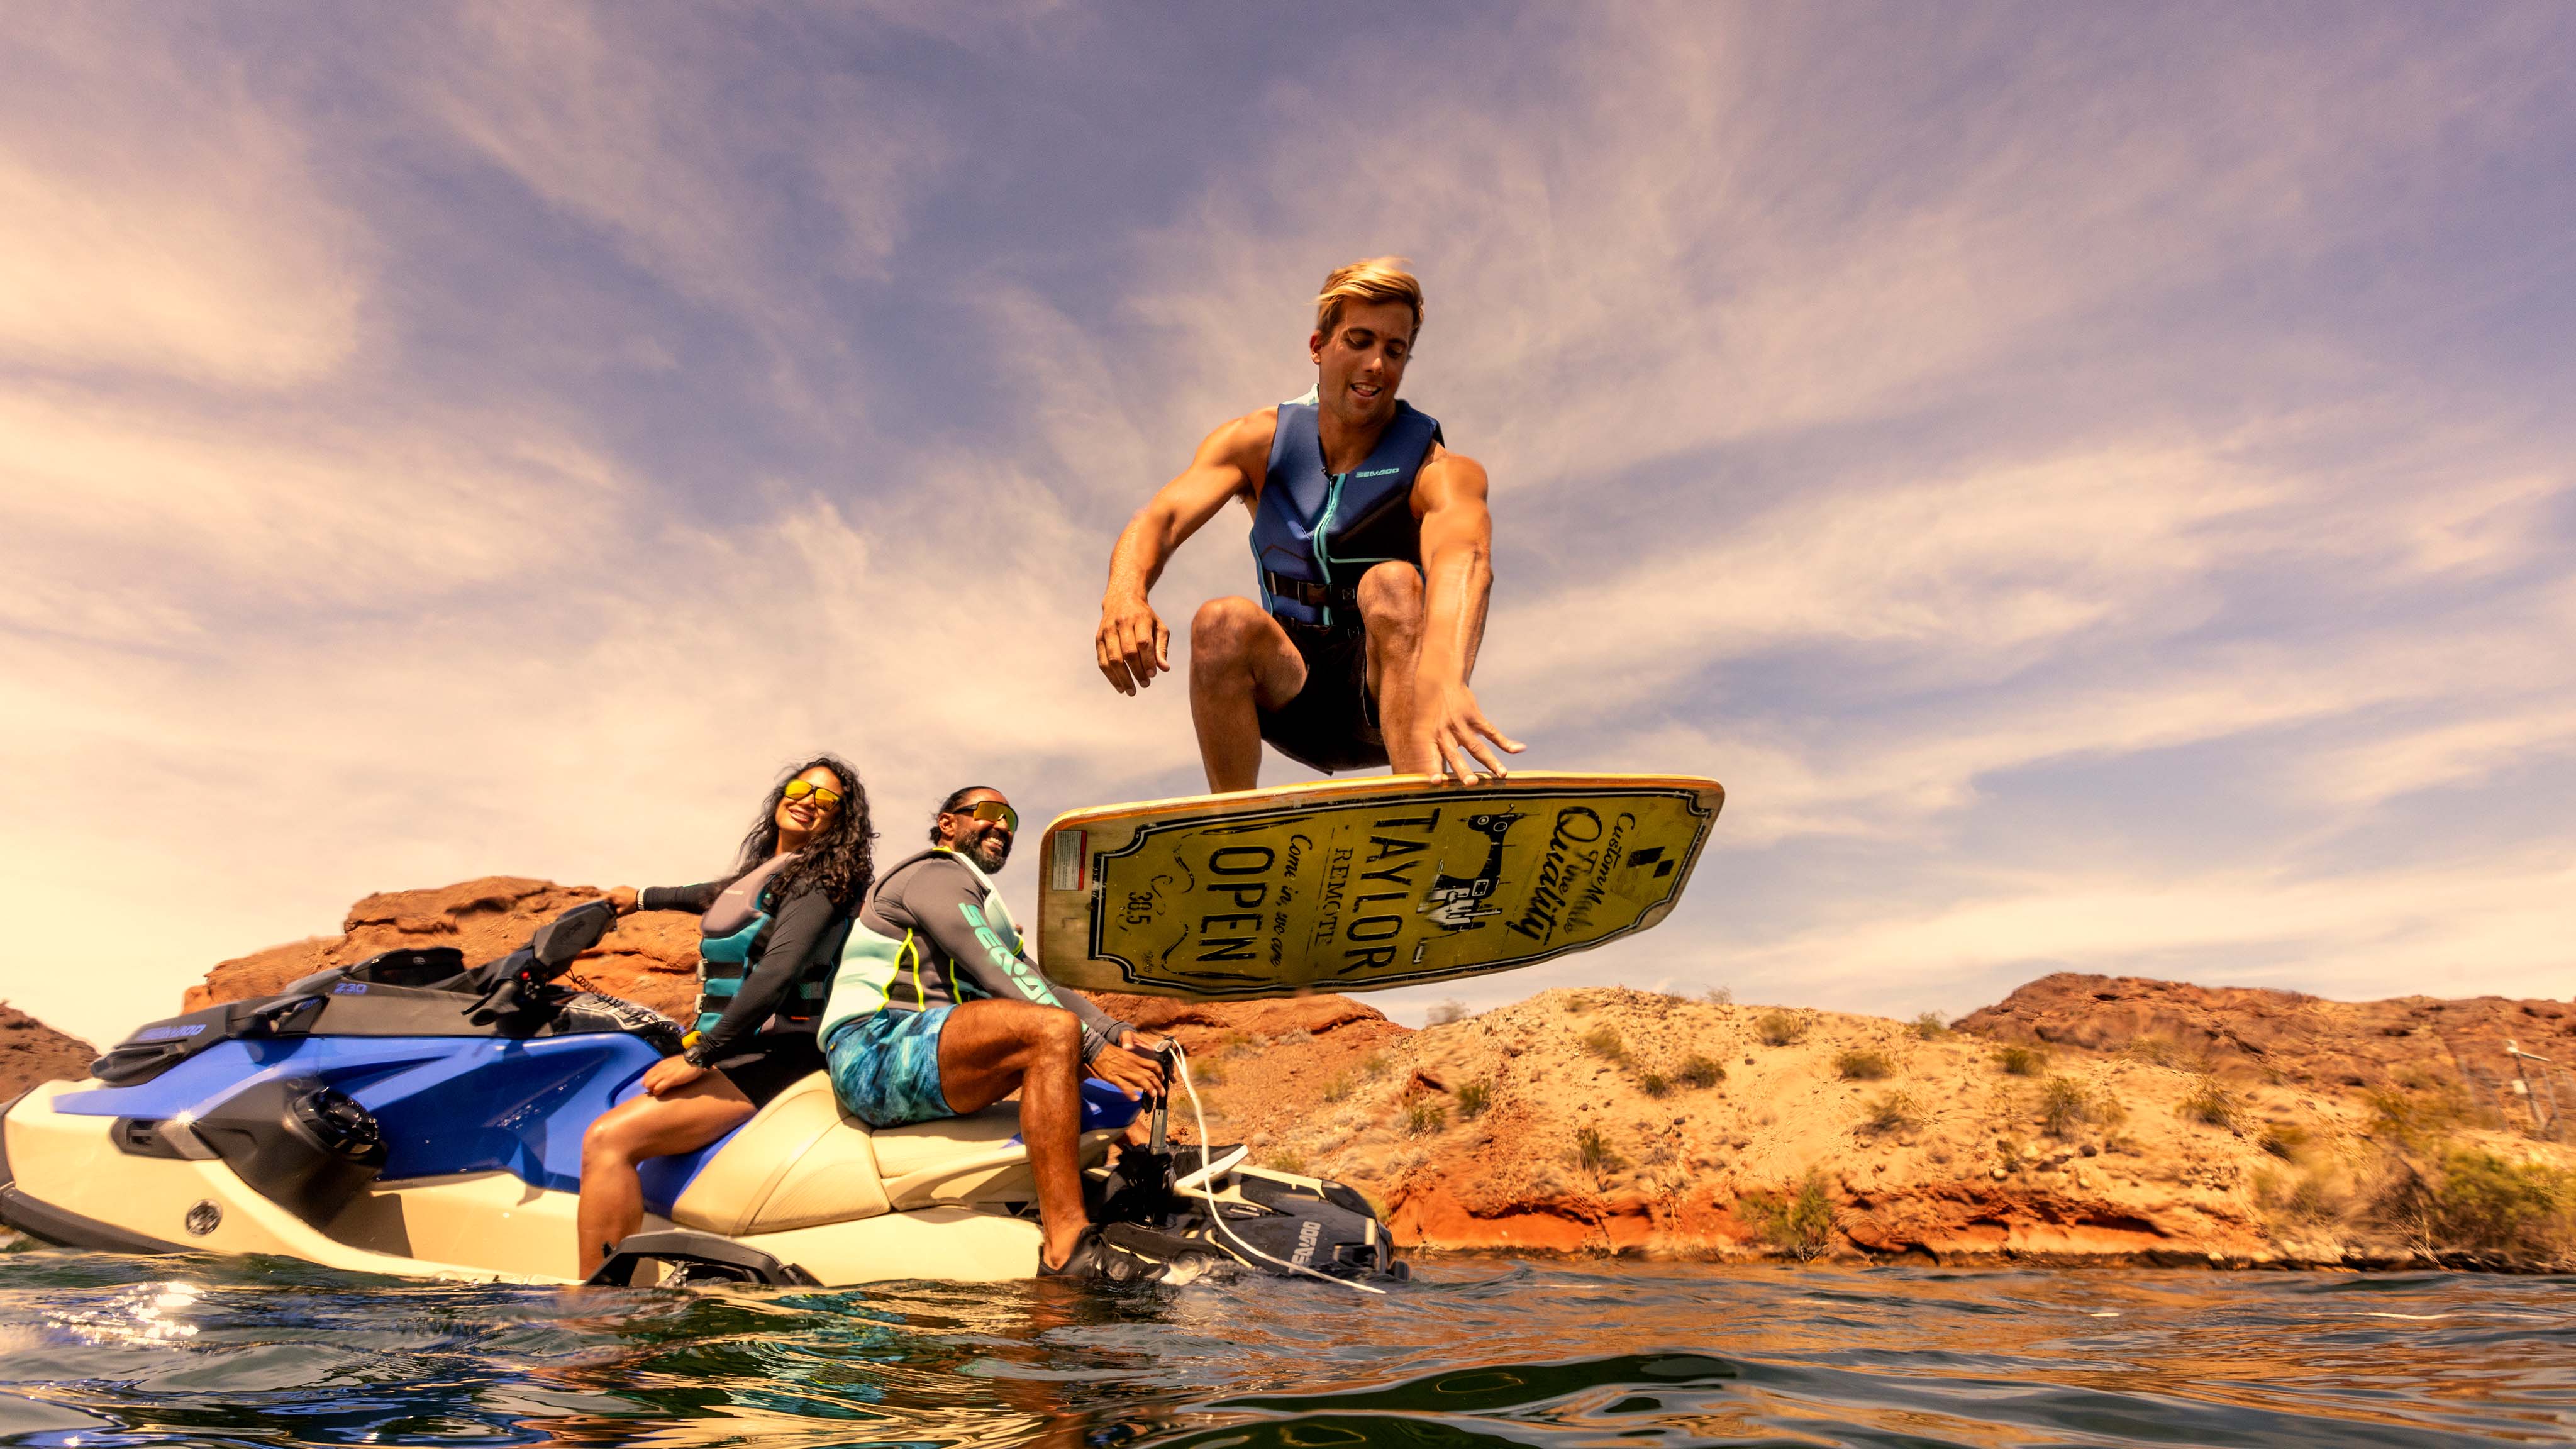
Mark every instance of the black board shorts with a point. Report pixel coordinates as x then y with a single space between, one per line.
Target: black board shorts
1332 723
771 1062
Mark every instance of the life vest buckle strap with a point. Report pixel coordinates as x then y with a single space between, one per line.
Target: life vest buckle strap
1308 592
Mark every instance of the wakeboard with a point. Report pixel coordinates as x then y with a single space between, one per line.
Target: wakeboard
1361 885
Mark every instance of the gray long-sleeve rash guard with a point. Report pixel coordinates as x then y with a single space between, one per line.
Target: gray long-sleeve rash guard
935 898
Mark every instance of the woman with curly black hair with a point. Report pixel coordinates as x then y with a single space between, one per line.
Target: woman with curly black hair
769 938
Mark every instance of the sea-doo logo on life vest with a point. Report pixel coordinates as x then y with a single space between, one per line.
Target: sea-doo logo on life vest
1007 961
1378 473
1454 901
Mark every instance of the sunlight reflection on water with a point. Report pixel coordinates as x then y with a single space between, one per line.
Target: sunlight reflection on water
1480 1351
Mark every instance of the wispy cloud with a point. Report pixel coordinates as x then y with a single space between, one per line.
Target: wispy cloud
2089 486
187 239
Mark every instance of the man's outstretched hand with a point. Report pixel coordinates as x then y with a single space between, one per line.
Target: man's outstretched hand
1133 645
1463 741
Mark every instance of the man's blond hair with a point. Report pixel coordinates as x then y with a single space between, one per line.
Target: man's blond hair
1376 279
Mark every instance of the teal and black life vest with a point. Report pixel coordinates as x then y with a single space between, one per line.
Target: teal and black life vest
1314 533
731 935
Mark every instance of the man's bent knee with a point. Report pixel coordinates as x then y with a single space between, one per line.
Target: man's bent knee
1223 630
1390 596
1059 1034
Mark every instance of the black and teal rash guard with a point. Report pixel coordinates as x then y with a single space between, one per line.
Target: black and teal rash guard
934 932
763 964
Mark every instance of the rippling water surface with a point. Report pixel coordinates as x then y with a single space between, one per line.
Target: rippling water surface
101 1350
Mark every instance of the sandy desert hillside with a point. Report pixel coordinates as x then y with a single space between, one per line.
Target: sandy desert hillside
1611 1120
2081 1119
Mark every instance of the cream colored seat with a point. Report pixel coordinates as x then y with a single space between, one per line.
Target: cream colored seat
801 1162
975 1158
798 1163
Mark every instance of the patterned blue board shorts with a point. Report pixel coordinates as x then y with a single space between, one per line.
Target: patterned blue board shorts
885 1067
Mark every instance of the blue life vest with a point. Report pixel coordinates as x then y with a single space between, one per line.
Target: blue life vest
1314 533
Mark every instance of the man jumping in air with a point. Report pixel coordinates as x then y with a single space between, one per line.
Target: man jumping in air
1372 550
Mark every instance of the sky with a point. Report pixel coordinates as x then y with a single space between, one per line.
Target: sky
2097 485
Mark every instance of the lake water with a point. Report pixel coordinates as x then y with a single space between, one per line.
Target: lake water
98 1350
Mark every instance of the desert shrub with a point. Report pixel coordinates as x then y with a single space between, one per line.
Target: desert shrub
2283 1140
1699 1072
2211 1104
1425 1117
2155 1050
2417 1113
1474 1098
1236 1044
1442 1013
1339 1088
1860 1065
1719 996
2477 1200
1928 1026
1603 1041
2022 1061
1780 1028
1654 1084
1287 1159
1799 1222
2064 1105
1210 1072
1894 1112
2308 1199
1575 1002
1594 1154
1374 1065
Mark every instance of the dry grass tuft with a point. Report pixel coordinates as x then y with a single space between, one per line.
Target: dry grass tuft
1780 1028
1604 1041
2064 1106
1862 1065
1594 1154
2210 1104
1895 1112
2022 1061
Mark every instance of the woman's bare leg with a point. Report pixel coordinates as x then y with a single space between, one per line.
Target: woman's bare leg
612 1195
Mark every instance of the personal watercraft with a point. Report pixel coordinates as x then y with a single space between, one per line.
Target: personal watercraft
409 1116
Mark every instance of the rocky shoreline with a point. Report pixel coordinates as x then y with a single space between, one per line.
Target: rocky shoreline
2082 1120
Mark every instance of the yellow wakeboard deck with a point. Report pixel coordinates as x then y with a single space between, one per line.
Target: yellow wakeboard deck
1361 885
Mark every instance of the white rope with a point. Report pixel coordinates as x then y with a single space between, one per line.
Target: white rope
1206 1178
